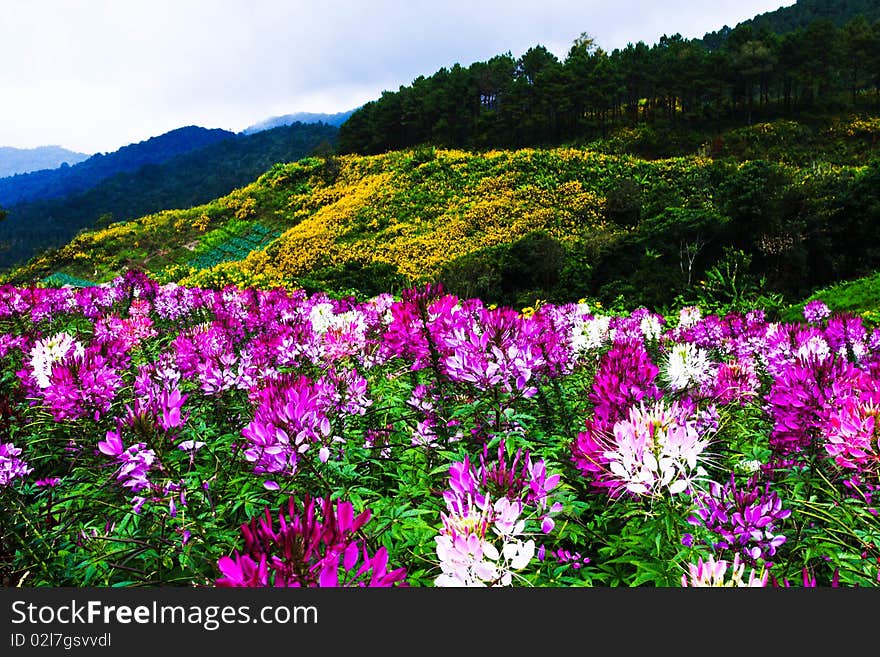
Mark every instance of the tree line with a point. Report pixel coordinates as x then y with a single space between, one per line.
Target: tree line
540 100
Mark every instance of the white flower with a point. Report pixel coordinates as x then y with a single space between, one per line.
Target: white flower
518 553
190 445
590 334
687 365
816 346
468 557
656 448
748 466
688 316
651 327
49 351
714 573
321 316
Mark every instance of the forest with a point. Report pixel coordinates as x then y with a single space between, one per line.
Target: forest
677 85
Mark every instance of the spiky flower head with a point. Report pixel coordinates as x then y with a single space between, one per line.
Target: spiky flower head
715 573
656 448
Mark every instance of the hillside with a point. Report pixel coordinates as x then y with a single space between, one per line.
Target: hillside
185 180
539 100
512 227
26 160
799 15
56 183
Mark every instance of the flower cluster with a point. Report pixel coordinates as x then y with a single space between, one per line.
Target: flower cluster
521 480
815 311
656 449
741 518
715 573
12 466
468 544
313 545
134 463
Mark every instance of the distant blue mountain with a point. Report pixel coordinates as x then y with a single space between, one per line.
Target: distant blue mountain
184 181
299 117
25 160
63 181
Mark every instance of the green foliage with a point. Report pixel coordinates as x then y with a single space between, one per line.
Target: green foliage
657 101
624 202
859 297
730 287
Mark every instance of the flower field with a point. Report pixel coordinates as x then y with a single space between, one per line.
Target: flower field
180 436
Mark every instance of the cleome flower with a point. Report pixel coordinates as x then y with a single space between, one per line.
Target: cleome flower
656 448
12 466
741 518
687 366
471 555
522 480
315 544
815 311
45 353
715 573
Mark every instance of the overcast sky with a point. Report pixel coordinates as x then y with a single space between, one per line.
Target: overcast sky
96 75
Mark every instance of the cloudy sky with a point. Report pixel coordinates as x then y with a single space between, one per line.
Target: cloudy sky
95 75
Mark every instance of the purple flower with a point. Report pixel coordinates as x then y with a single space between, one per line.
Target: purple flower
170 403
288 421
312 546
11 465
520 479
134 462
83 385
815 311
741 518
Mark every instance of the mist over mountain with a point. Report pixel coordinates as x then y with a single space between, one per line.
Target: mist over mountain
25 160
299 117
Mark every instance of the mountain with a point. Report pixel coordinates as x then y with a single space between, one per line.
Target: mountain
25 160
799 15
185 180
299 117
56 183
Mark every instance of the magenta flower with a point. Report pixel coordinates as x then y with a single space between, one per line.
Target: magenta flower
313 546
815 311
12 466
134 462
170 403
84 384
288 421
521 480
803 395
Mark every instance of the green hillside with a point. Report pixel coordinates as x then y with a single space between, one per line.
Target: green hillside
188 179
514 226
799 15
680 85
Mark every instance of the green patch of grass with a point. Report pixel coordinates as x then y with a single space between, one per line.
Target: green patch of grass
857 297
